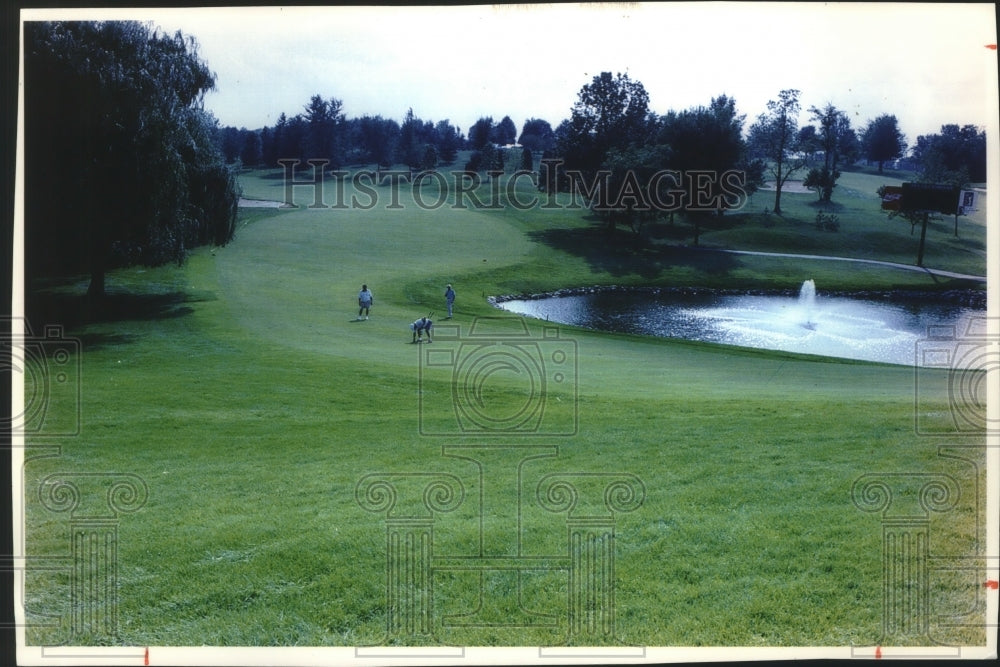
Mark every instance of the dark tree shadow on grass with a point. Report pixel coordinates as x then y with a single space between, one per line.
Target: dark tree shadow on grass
69 307
966 243
668 232
96 341
892 240
621 252
826 206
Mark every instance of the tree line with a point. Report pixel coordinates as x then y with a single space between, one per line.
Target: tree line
611 131
321 131
124 166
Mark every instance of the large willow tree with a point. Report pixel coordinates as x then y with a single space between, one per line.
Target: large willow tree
121 166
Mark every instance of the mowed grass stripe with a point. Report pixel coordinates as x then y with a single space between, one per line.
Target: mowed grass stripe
252 410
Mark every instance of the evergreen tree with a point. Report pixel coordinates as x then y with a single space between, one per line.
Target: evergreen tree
527 163
449 140
481 133
882 140
410 149
253 149
504 132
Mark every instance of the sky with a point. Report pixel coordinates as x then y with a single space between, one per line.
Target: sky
926 63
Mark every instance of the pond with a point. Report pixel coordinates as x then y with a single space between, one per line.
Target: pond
882 329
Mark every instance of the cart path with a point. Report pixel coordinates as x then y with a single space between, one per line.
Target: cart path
895 265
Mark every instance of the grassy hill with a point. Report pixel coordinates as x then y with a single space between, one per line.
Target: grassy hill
244 393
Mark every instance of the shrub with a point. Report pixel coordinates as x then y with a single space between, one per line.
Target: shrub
827 222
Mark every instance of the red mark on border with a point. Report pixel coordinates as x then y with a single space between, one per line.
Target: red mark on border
991 47
991 583
878 652
146 660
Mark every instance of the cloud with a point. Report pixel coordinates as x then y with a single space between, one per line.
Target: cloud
922 62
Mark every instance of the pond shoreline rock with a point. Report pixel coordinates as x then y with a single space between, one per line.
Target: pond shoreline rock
968 298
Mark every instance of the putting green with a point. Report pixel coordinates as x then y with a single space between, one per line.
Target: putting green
294 276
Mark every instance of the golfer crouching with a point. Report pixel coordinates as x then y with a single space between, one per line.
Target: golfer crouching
420 327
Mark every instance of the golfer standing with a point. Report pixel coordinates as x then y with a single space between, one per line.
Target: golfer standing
365 300
449 297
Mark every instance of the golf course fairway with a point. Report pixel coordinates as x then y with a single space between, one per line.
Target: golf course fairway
241 392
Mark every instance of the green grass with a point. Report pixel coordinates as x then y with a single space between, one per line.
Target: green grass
864 232
240 389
